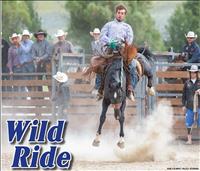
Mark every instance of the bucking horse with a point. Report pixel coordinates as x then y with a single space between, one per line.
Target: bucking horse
115 84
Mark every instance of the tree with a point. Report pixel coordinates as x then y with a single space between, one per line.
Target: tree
35 20
184 19
18 15
86 15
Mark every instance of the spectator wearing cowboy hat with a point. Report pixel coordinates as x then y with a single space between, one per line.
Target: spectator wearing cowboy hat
26 58
191 50
96 51
95 44
62 95
41 53
62 46
14 64
190 87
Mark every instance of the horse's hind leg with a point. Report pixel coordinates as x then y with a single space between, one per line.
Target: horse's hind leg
121 121
151 90
105 105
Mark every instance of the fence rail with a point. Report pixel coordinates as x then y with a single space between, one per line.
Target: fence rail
83 103
169 87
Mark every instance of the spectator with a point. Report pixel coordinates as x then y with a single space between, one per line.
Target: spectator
62 95
190 87
14 64
4 47
41 53
191 50
96 51
95 44
62 46
25 56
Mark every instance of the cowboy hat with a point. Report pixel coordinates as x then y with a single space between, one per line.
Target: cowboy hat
40 32
60 33
191 34
193 68
61 77
13 36
96 31
26 33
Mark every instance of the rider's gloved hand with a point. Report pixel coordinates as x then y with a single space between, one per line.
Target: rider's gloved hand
112 44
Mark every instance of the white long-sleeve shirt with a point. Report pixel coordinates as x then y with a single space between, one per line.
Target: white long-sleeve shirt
115 30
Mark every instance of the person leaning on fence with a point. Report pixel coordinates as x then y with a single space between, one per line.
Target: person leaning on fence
14 64
41 53
191 50
96 51
62 46
25 56
189 89
62 95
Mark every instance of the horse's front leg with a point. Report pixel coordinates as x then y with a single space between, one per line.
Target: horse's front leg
121 121
105 104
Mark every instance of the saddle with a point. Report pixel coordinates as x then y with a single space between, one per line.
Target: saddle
98 63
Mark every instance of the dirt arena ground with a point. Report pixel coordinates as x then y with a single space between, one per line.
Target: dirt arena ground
147 147
188 159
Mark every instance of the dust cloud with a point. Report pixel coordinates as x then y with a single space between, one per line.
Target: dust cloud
148 141
151 140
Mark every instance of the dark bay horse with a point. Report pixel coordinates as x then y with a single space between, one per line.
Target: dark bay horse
115 95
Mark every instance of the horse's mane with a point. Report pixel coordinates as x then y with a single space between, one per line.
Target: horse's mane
129 52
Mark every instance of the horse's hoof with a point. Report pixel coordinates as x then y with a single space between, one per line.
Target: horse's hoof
116 113
117 117
121 144
151 91
96 143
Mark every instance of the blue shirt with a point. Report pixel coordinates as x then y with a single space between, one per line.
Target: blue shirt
41 49
193 51
25 51
115 30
